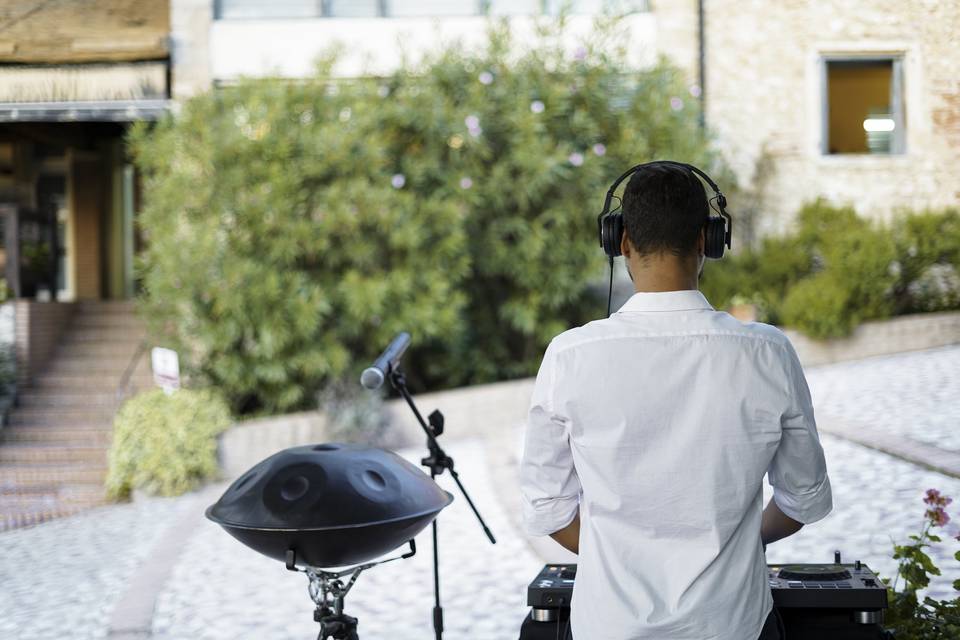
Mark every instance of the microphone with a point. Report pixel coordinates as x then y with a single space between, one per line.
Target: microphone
372 377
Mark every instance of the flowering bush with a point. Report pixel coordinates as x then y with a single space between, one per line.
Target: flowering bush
930 619
292 229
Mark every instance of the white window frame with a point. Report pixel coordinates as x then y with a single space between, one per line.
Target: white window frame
898 145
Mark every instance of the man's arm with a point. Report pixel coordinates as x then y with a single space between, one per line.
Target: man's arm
774 525
549 486
569 536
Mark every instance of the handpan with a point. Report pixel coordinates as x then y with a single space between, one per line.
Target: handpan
333 504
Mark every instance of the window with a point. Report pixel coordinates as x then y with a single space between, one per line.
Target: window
260 9
263 9
863 106
418 8
353 8
555 7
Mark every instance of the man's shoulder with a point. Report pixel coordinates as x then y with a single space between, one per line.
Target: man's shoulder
717 323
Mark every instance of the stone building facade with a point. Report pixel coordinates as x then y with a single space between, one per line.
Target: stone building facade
788 86
768 87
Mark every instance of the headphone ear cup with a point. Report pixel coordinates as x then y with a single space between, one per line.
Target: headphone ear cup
611 233
715 237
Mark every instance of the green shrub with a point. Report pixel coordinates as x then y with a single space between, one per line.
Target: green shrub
837 270
928 252
165 444
293 228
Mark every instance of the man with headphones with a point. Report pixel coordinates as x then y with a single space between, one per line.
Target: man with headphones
650 431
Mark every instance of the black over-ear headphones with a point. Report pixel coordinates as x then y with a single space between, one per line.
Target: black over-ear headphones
610 224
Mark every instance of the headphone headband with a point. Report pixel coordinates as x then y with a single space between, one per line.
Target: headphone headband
721 199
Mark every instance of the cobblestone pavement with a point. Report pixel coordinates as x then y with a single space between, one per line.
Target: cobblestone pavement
221 589
66 577
62 579
912 395
875 498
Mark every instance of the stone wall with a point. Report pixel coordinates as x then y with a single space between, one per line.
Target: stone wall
492 412
190 22
882 337
764 101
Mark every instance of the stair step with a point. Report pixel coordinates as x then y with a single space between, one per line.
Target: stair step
18 476
61 416
61 436
104 382
33 453
99 350
63 398
93 319
19 515
128 337
88 307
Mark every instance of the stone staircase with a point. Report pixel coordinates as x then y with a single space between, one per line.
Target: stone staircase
53 449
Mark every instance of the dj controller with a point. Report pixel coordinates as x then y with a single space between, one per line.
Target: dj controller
815 601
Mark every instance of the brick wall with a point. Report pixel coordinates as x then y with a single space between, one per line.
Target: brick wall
38 329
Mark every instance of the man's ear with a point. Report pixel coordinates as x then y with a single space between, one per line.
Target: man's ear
702 242
625 248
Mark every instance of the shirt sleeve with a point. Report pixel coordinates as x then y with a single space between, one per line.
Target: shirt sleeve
549 486
798 472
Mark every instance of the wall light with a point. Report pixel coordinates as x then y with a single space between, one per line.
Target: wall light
879 124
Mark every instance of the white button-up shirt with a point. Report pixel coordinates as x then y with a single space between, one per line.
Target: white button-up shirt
658 424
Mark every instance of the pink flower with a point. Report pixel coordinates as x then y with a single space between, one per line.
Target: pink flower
599 149
486 77
580 54
398 180
537 106
676 103
933 498
465 182
938 517
576 159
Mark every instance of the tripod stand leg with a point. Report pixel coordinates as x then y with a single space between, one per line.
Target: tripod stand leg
437 609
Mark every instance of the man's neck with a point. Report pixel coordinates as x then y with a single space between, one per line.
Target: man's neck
652 274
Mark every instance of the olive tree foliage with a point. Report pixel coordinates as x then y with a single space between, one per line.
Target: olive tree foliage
292 228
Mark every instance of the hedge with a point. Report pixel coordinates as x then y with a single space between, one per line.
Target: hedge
837 270
293 228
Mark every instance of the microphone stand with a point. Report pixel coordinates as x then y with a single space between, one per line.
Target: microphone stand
437 462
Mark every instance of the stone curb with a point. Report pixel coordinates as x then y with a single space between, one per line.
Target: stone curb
942 461
132 617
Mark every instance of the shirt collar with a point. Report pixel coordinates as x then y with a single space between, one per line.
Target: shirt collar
645 302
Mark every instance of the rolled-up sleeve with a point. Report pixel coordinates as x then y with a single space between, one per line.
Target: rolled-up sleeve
798 472
549 486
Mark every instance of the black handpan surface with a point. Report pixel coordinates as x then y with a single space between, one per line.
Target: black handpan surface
333 504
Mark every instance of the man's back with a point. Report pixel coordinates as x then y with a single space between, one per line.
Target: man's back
657 426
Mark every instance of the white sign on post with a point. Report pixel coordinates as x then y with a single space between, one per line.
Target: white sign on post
166 368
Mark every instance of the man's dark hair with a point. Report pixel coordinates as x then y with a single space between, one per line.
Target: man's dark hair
664 209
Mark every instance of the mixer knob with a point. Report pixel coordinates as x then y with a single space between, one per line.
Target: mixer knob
857 565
